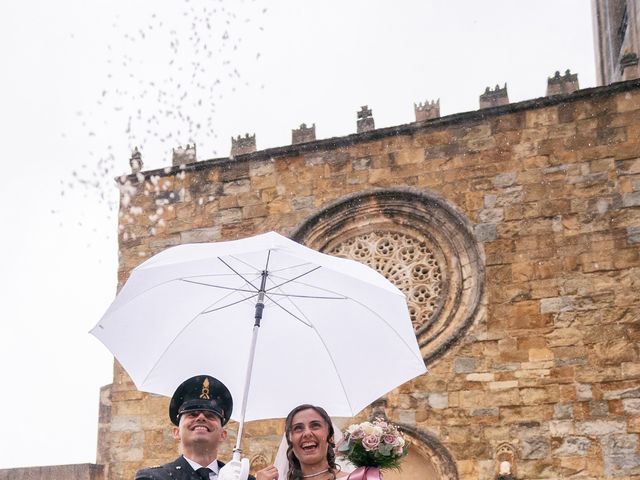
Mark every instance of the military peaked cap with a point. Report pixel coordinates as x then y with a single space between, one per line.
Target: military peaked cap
202 392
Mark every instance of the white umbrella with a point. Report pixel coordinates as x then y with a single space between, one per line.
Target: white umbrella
335 332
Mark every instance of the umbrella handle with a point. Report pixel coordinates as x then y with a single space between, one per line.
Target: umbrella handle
252 351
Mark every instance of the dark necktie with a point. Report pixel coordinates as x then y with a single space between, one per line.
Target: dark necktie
203 473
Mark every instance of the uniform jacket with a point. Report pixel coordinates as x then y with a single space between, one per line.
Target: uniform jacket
179 469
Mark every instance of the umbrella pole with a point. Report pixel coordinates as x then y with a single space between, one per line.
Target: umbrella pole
247 383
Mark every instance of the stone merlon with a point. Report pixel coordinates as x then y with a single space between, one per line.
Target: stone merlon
184 155
558 84
494 98
303 134
242 145
427 110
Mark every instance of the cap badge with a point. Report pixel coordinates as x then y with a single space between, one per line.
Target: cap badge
205 390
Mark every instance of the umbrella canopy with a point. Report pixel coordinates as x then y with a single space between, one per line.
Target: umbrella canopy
334 332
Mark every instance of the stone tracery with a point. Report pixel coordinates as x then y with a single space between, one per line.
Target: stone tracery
405 260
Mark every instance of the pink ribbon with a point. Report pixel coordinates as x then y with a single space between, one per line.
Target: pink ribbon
365 473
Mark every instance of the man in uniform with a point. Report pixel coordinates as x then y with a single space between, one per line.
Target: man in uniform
200 408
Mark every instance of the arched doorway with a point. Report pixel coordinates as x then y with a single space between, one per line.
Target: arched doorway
414 467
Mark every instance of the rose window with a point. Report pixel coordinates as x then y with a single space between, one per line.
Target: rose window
418 241
407 262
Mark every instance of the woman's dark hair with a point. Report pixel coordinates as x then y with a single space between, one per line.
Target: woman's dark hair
295 471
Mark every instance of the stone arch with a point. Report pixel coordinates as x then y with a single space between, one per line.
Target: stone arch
428 458
258 462
420 242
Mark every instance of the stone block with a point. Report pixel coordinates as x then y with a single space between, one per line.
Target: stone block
438 401
534 448
505 180
491 215
510 196
599 408
633 235
230 215
464 365
628 102
485 412
540 354
628 167
623 392
563 410
485 232
480 377
583 392
228 201
573 446
631 405
125 423
490 200
631 199
633 425
200 235
406 416
599 428
614 352
523 271
625 445
235 187
301 203
261 169
534 396
503 385
561 428
254 211
542 117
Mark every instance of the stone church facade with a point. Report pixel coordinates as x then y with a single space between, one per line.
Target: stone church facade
514 231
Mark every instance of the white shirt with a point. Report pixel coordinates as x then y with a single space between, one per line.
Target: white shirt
213 466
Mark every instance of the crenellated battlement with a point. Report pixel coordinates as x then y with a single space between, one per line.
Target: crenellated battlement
425 111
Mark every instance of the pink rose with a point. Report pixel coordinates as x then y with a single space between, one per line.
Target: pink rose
357 434
370 442
389 439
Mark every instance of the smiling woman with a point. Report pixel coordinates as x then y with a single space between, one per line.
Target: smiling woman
310 438
310 448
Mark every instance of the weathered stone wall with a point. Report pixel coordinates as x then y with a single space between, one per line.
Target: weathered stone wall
550 189
83 471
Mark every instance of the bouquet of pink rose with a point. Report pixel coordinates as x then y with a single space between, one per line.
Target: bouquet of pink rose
376 444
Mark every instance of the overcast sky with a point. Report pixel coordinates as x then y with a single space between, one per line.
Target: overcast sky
85 82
